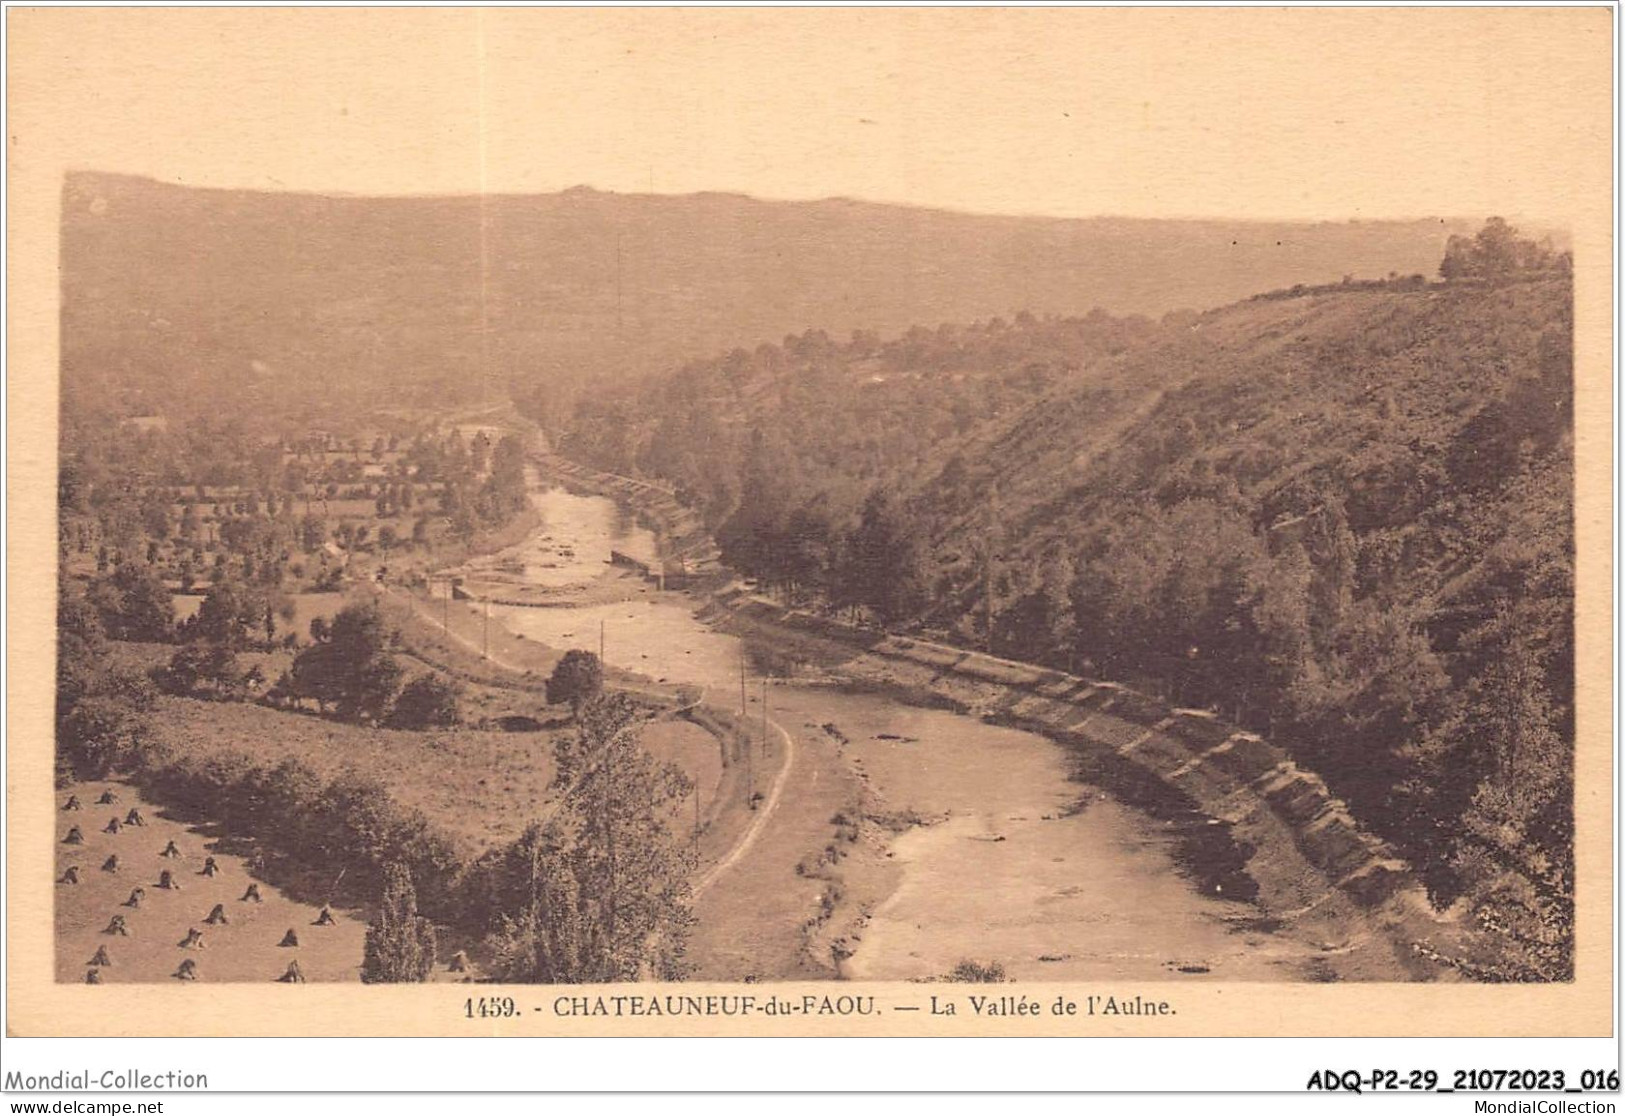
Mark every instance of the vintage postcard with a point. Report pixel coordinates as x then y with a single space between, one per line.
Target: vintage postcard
771 522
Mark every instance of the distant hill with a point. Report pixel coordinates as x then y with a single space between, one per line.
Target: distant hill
180 300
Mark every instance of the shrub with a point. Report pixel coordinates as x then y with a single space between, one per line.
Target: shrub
977 972
428 701
577 679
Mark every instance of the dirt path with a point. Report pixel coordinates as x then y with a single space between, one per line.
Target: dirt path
754 918
763 816
426 613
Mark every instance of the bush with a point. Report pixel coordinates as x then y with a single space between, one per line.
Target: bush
977 972
428 701
577 679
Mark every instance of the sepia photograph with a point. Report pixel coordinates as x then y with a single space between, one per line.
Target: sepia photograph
681 517
889 651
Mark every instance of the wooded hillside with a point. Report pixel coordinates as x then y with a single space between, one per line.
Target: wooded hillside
1340 516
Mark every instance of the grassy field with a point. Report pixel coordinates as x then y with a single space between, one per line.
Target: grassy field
306 606
481 788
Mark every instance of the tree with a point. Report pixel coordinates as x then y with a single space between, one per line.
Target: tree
1495 248
577 679
754 538
1499 784
353 669
400 945
808 550
504 493
107 726
540 925
1498 252
101 710
230 611
1042 624
1458 260
198 664
599 893
883 565
135 604
427 701
155 516
312 532
286 804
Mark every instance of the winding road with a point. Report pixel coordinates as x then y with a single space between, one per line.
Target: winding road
748 838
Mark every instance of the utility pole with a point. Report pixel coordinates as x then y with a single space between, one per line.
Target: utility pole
987 598
764 715
486 654
600 642
744 731
990 543
620 319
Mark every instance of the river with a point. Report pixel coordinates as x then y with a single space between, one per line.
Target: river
992 853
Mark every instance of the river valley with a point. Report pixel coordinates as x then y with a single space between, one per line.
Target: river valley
906 840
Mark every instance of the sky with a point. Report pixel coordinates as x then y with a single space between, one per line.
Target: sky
1240 113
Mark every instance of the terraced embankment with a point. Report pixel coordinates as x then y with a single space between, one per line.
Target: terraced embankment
685 546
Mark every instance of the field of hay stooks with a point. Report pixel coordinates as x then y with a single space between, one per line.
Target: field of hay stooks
159 929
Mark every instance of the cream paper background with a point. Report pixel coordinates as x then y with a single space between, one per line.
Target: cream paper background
1326 113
